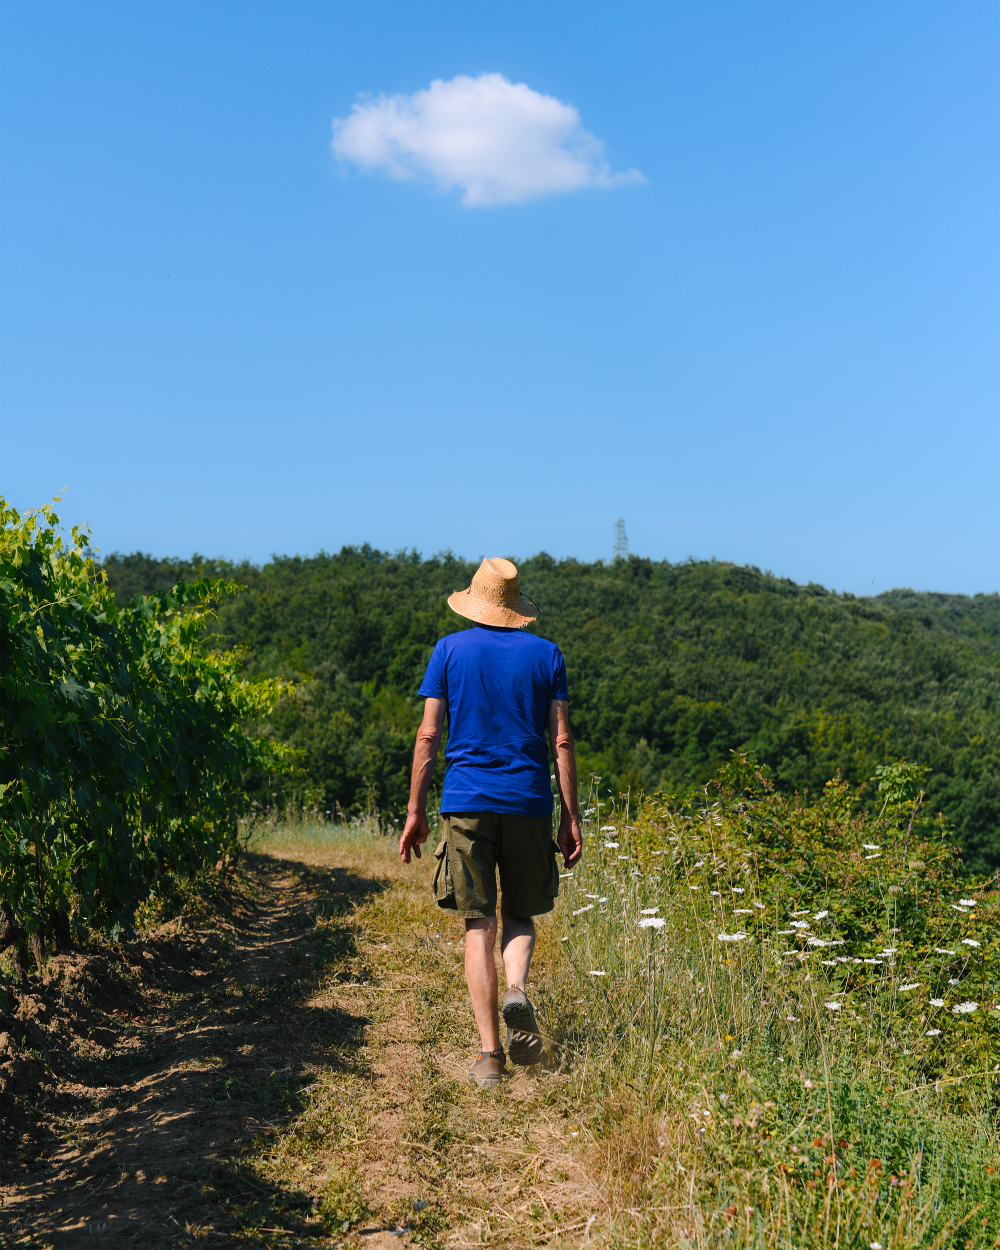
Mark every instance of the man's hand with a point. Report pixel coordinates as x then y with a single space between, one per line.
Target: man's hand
570 839
415 832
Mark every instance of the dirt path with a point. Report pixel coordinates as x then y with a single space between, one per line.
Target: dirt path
304 1086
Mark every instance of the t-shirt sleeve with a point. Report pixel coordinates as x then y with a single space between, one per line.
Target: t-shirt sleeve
559 688
435 683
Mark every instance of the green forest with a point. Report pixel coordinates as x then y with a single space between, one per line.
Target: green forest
671 668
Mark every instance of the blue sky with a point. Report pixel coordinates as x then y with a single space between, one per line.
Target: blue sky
779 347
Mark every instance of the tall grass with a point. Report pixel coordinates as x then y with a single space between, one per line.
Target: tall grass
785 1022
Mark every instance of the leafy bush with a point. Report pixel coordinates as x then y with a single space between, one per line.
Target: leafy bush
122 750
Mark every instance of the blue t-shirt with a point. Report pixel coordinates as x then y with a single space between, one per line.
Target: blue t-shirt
499 684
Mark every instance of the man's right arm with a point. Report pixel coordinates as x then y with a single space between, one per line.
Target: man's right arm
570 837
416 830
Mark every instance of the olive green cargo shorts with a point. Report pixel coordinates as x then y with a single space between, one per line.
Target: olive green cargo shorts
476 844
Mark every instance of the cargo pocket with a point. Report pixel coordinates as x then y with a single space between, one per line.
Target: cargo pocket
552 889
444 886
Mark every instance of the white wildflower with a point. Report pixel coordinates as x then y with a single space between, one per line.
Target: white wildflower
612 846
649 911
871 961
736 1054
732 937
799 924
912 985
700 864
953 981
889 950
964 1009
595 972
939 950
785 932
967 902
742 911
792 1019
832 1006
969 942
877 855
870 846
821 915
591 896
933 1033
828 963
937 1002
874 1245
608 829
694 887
652 922
760 905
715 894
738 889
815 941
804 912
963 910
580 910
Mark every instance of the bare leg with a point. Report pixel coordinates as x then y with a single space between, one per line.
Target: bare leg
481 975
516 947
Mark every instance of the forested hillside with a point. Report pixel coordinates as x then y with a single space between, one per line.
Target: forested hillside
671 667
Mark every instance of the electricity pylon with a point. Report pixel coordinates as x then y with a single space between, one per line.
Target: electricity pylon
621 540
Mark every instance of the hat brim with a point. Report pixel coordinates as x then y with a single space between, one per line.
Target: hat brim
468 604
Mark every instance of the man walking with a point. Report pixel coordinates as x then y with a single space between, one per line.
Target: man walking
499 689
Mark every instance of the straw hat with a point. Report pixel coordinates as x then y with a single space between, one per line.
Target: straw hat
494 598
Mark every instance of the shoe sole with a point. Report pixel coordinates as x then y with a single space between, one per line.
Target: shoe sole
524 1042
488 1082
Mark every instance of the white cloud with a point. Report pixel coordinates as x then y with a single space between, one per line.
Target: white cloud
499 142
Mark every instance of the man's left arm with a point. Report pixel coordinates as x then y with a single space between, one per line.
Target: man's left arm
570 837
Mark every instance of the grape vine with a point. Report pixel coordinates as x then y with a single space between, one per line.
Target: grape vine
123 750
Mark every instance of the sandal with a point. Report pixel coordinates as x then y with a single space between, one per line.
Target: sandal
488 1068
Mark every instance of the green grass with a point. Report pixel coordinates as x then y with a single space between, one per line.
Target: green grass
776 1089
